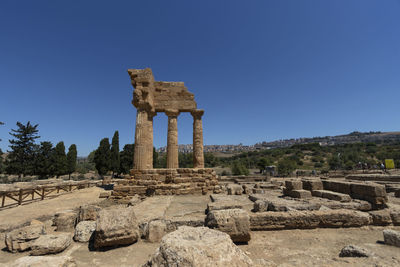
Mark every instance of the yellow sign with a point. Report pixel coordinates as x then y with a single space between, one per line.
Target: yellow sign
389 163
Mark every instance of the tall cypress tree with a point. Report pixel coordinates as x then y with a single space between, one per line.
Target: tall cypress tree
126 157
20 160
44 160
71 159
60 160
102 157
115 158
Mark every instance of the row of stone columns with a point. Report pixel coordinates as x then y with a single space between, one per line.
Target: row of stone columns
143 155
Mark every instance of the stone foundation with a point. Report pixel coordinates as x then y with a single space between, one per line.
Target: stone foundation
180 181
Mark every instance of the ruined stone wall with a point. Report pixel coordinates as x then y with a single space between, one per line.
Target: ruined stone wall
168 182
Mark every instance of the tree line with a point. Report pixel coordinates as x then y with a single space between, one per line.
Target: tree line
27 157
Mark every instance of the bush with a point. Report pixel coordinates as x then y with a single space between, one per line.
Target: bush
286 166
238 168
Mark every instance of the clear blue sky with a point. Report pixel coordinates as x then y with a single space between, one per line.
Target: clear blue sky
262 70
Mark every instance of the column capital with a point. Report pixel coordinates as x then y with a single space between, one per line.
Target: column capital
197 113
172 112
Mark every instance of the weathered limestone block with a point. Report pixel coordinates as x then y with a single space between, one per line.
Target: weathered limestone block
116 226
43 261
201 246
373 190
312 184
337 186
293 185
234 189
51 244
88 212
21 239
84 231
264 221
307 219
354 251
397 193
156 230
331 195
304 194
65 221
391 237
381 217
234 222
223 205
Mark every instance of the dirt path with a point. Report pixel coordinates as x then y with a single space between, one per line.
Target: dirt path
14 217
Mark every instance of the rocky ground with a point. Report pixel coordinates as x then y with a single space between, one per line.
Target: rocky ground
319 247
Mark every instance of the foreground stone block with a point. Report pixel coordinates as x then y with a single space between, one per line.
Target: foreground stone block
200 246
264 221
223 205
51 244
65 221
307 219
342 218
354 251
88 212
84 231
43 261
337 186
392 237
381 217
21 239
234 222
304 194
116 226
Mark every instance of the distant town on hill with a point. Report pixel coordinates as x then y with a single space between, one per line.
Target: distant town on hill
353 137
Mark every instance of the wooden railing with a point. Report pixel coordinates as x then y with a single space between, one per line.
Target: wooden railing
39 192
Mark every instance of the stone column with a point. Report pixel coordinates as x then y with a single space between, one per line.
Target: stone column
143 155
198 150
172 140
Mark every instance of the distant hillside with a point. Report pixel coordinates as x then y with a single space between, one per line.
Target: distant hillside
351 138
354 137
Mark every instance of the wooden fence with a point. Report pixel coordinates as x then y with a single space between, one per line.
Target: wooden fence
40 192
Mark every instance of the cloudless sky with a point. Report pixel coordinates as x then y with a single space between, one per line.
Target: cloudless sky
262 70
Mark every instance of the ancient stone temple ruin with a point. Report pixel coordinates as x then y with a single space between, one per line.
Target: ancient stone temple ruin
151 97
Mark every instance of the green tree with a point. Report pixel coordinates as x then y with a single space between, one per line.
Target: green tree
44 160
102 157
114 157
239 168
262 163
335 162
71 159
286 166
126 158
155 158
21 159
60 164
